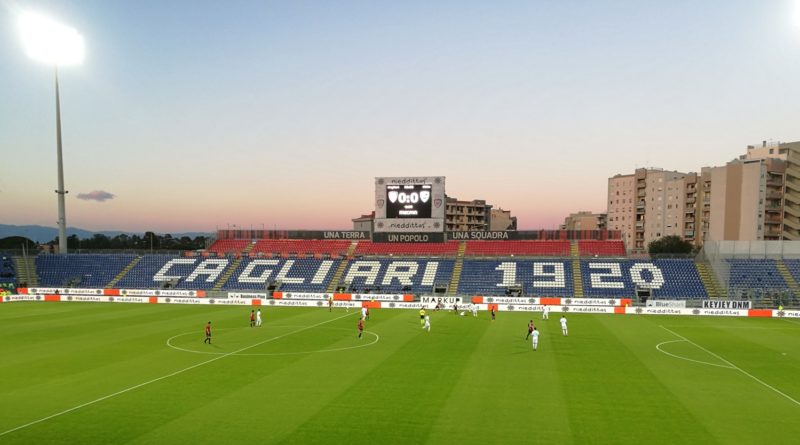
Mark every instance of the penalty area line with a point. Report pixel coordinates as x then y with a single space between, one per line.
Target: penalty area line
172 374
732 366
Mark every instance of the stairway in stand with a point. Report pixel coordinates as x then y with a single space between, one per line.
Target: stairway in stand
337 276
709 279
577 278
232 267
788 277
26 271
456 277
123 272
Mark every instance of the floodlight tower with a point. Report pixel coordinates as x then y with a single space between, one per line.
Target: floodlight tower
55 44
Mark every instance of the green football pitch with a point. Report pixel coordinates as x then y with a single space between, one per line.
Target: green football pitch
85 373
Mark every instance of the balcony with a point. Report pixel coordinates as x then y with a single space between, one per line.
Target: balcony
688 233
640 224
774 194
773 221
641 184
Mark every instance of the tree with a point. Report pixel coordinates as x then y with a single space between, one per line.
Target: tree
16 242
669 244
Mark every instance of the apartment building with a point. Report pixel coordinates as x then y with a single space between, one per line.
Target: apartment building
584 220
747 199
502 220
647 205
467 215
783 207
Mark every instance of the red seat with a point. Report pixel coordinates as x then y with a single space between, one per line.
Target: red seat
601 248
521 248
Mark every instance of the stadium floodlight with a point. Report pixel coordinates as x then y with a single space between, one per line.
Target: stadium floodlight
797 13
50 42
55 44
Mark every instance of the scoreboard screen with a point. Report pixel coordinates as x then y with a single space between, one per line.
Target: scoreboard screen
409 204
409 201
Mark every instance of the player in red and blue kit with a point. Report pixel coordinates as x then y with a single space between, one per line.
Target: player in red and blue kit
530 329
208 333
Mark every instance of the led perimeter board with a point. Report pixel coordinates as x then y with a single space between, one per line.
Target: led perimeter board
410 204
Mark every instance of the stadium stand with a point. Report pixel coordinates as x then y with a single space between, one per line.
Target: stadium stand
141 275
368 248
518 248
80 270
794 268
8 271
294 275
417 273
611 248
757 274
668 278
229 246
308 248
538 278
412 275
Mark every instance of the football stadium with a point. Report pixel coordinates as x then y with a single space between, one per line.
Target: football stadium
664 310
402 336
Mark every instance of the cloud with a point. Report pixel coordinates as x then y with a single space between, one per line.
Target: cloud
97 195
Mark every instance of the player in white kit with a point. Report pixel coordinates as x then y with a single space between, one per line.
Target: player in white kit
535 338
564 325
427 324
364 313
546 312
474 308
258 317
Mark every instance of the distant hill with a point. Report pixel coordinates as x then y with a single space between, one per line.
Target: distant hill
42 234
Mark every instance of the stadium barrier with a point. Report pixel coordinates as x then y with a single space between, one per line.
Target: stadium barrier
523 306
111 292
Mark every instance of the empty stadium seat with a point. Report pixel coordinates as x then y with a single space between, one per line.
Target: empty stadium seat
538 278
406 275
229 246
369 248
80 270
518 248
295 275
611 248
300 248
8 271
668 278
756 274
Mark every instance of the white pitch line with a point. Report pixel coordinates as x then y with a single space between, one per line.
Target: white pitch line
724 327
272 354
735 367
658 346
66 411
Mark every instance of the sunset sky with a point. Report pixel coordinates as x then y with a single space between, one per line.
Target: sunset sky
196 115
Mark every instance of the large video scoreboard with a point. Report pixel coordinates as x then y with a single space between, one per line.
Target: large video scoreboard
410 204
